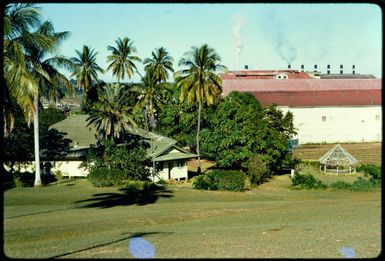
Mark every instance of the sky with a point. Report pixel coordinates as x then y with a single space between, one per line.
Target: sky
262 36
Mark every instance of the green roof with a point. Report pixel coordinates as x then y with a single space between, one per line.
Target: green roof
82 137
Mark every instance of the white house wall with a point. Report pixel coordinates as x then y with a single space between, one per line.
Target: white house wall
176 173
337 124
70 168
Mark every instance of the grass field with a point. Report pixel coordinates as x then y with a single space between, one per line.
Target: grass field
73 219
364 152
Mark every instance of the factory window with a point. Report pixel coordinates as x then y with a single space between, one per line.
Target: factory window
323 118
377 117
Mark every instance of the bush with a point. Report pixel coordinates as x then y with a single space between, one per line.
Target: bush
258 169
370 170
307 181
221 180
341 185
23 179
105 177
360 184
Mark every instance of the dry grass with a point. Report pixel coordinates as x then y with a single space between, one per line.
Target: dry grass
363 152
271 221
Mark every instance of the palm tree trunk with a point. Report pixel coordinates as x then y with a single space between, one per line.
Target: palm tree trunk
36 140
146 116
197 138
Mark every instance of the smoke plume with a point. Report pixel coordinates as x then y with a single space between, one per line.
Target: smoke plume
237 28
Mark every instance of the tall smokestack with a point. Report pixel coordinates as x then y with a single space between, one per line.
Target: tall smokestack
302 67
289 67
353 69
315 67
246 67
328 67
341 69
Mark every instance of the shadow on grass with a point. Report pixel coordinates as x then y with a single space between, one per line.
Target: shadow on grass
132 235
130 195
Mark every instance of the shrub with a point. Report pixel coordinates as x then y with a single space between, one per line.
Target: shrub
341 185
307 181
221 180
258 169
370 170
23 179
105 177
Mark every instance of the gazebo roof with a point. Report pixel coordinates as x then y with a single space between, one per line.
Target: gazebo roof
338 156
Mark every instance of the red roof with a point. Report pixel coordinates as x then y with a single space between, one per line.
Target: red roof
264 74
309 92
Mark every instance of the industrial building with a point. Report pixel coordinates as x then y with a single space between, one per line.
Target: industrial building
327 108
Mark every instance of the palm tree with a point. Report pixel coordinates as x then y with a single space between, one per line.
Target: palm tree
199 82
152 96
110 115
85 67
162 63
122 60
25 70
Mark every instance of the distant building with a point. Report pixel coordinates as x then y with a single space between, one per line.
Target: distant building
326 108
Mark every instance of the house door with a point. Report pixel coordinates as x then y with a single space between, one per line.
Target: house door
170 166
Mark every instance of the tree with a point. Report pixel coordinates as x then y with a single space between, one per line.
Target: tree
199 82
26 71
85 67
152 95
122 60
240 134
162 64
110 114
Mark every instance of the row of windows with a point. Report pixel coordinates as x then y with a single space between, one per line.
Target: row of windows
377 117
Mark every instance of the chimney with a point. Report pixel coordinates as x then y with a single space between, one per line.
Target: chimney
302 68
341 69
289 67
315 67
328 67
246 67
354 69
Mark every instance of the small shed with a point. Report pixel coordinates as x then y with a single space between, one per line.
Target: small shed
338 160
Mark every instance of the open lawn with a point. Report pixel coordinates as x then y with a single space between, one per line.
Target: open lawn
364 152
76 220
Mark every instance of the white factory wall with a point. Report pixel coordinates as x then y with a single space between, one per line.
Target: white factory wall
337 124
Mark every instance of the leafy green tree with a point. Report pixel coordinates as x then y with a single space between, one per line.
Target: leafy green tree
110 115
152 95
161 62
240 128
121 60
199 82
85 67
26 71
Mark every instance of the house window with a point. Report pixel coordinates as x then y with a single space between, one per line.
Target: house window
323 118
377 117
160 166
180 163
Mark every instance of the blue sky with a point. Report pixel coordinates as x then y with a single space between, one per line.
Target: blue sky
263 36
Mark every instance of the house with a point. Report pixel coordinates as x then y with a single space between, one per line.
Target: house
328 108
170 160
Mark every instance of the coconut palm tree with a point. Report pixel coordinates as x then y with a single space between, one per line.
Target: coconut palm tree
111 115
162 63
25 70
199 82
152 95
85 67
122 60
